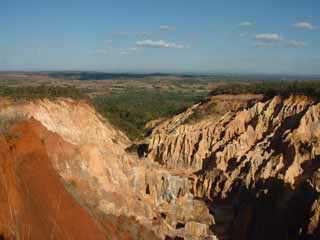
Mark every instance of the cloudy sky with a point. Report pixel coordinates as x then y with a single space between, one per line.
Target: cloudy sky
204 36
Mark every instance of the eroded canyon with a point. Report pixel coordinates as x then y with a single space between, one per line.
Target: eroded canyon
231 167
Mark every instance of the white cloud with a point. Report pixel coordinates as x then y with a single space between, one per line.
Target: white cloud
129 34
264 44
124 52
166 27
121 51
304 25
269 37
102 51
158 44
295 44
133 49
127 51
246 24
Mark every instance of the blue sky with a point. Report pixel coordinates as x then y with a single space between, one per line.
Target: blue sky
204 36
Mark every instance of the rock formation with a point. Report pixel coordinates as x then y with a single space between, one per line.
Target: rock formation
186 144
232 167
252 165
91 158
34 201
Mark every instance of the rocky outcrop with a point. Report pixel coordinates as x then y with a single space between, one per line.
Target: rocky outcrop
264 155
91 157
232 167
182 143
34 202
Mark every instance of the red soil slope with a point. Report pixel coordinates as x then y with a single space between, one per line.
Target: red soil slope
34 203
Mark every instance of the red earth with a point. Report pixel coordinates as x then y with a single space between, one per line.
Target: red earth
34 202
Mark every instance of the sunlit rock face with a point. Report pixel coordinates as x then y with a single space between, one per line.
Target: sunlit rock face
178 144
35 203
91 157
265 155
269 139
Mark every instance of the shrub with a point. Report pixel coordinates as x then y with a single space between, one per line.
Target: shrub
6 121
270 88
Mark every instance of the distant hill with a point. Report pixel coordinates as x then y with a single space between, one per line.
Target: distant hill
102 76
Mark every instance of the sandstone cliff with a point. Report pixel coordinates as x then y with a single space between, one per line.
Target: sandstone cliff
91 157
34 202
186 138
264 155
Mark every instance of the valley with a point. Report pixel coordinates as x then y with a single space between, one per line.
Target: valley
221 165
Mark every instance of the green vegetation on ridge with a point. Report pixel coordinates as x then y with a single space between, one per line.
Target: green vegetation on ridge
271 88
131 110
32 93
129 106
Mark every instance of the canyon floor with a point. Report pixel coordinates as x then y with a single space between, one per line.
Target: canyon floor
232 166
